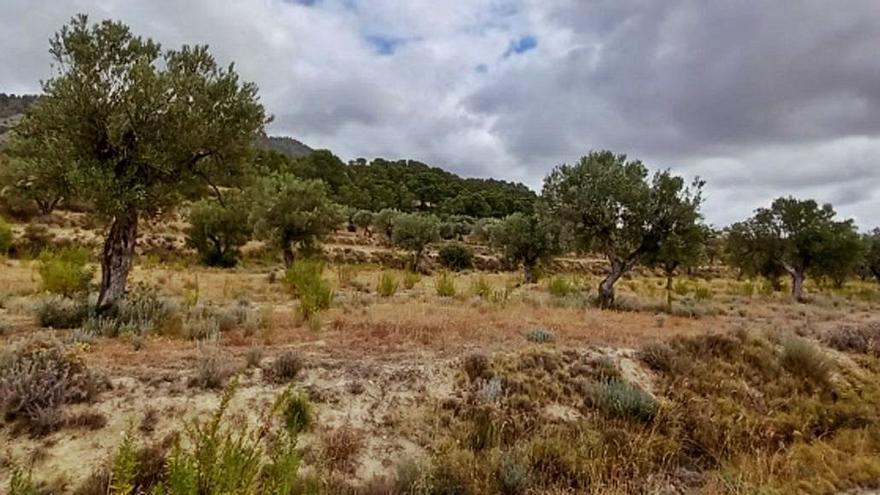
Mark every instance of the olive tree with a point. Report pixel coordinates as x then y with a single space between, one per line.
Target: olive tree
414 232
217 231
606 204
793 236
384 221
139 129
364 220
872 254
293 214
524 240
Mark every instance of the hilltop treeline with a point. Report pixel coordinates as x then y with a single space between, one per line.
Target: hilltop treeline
404 185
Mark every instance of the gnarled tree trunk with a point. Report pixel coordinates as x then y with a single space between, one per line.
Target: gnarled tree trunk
606 287
798 275
116 259
288 254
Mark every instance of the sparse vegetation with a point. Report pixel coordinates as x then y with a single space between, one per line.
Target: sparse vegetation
387 285
65 272
444 284
306 280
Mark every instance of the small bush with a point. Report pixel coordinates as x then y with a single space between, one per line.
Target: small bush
456 256
804 359
295 410
540 336
37 376
212 368
513 477
61 312
659 356
305 278
286 366
35 239
65 272
387 285
559 286
703 292
6 238
444 284
475 365
619 399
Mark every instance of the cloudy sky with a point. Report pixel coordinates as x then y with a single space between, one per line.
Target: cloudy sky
760 98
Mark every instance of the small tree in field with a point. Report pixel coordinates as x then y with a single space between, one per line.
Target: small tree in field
606 204
137 128
794 236
33 174
293 214
524 240
364 220
414 232
217 231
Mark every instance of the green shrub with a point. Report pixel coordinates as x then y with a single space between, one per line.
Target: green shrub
21 482
513 477
305 278
140 312
295 410
6 238
456 256
444 284
702 292
560 286
619 399
65 271
387 285
659 356
61 312
802 358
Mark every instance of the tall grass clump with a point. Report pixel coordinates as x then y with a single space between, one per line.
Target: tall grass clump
306 281
387 285
481 288
802 358
444 284
410 279
560 286
65 272
295 410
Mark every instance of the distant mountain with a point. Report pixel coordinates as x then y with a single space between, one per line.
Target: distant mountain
285 145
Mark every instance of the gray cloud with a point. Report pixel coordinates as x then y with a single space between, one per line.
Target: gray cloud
759 98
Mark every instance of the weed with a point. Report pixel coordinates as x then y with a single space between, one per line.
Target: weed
410 279
387 285
444 284
513 477
864 339
253 356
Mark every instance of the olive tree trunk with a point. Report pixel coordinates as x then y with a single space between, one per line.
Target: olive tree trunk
798 275
606 286
288 254
116 259
529 272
